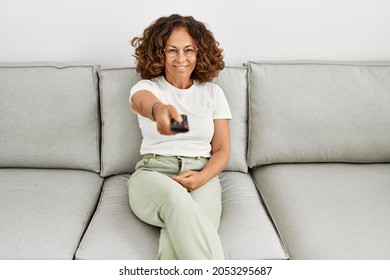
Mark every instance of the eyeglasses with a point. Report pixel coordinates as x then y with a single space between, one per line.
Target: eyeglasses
189 51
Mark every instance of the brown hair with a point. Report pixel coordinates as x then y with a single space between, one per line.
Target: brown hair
150 58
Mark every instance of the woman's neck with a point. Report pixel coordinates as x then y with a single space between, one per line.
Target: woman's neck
180 83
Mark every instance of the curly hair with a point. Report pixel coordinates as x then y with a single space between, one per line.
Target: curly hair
150 58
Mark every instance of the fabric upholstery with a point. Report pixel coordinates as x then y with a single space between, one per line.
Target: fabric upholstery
245 230
319 112
115 232
44 212
121 136
233 81
49 116
329 210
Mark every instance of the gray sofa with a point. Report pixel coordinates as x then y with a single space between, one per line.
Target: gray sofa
308 178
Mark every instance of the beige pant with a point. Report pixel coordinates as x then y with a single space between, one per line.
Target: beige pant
188 220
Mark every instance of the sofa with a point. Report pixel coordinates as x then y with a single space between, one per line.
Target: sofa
308 177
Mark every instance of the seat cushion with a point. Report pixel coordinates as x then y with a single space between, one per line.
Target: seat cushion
245 230
115 232
329 210
44 213
49 116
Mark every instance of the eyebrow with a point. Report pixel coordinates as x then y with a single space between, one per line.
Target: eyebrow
183 47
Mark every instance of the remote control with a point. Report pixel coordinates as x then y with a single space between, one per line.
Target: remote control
180 126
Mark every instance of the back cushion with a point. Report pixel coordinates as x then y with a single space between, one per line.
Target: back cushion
319 112
121 136
233 81
49 116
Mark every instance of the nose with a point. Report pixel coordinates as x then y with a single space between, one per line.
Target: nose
180 56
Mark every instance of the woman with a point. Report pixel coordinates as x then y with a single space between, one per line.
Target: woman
176 185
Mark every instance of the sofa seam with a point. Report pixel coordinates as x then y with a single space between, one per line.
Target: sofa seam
102 124
97 116
249 121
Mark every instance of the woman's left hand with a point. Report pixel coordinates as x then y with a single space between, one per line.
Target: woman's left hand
190 180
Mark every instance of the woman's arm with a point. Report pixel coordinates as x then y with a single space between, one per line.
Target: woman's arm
220 153
148 105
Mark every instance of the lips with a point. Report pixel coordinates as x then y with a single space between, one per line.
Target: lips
181 66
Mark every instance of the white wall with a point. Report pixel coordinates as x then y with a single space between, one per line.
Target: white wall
99 31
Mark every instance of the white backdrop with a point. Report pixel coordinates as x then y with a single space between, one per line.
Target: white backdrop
99 31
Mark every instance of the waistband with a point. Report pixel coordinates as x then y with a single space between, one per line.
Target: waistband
156 156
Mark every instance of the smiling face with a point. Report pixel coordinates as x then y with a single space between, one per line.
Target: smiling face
178 69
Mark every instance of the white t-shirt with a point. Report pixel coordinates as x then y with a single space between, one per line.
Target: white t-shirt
202 103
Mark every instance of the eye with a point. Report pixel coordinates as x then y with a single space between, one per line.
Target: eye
189 51
171 51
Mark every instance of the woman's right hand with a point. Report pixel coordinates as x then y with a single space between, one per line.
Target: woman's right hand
163 115
148 105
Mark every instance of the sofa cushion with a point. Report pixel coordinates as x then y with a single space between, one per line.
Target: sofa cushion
245 230
49 116
115 232
121 136
319 112
44 213
233 81
329 210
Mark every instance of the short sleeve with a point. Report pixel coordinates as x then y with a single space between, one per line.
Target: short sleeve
141 85
222 109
